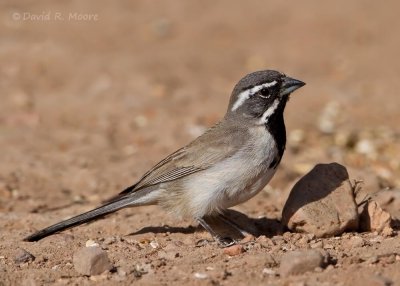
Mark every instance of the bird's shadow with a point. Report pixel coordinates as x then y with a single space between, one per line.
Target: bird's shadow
166 229
254 226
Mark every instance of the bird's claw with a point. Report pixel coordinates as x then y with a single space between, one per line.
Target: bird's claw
224 242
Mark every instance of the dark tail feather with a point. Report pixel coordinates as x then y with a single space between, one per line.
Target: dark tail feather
82 218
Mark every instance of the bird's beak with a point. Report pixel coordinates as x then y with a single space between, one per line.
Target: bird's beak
289 85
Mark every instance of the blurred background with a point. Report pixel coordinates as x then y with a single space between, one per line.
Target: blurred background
93 93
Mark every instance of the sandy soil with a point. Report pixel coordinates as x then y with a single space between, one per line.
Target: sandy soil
88 105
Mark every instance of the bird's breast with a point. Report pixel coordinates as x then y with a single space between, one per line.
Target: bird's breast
235 179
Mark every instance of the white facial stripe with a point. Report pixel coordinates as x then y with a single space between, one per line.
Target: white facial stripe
249 92
241 98
264 118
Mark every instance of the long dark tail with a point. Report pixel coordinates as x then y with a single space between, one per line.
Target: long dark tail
83 218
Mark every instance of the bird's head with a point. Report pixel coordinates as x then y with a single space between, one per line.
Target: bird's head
262 94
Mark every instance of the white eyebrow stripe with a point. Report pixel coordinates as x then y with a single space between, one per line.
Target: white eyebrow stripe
264 118
244 95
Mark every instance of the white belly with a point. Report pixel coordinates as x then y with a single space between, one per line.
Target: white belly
234 180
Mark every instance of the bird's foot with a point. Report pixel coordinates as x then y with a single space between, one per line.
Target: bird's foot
225 241
222 242
233 224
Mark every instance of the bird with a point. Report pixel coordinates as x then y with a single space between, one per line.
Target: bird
225 166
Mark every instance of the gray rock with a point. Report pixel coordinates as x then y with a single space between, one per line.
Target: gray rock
374 218
91 261
322 202
23 256
300 261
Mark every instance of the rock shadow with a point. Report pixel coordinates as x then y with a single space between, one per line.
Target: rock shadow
325 178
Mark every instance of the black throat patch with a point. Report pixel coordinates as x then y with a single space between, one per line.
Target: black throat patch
276 126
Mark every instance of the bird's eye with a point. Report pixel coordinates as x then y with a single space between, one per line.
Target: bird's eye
264 93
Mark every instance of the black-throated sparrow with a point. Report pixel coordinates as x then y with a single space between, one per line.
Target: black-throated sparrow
227 165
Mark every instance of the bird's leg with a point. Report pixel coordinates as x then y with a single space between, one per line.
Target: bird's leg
233 224
222 241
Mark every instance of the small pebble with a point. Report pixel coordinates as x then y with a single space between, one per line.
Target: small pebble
298 262
91 243
154 244
91 261
200 275
268 271
372 260
143 268
23 256
387 231
234 250
366 147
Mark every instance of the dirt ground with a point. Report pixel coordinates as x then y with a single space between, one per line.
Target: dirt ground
94 93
